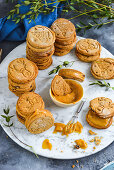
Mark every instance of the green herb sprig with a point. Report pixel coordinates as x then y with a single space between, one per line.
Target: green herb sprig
102 84
65 64
100 12
7 118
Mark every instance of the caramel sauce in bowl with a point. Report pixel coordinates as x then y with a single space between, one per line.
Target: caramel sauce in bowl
70 99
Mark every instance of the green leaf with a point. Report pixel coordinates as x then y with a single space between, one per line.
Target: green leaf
27 2
6 111
18 5
7 119
11 125
112 88
18 20
71 7
9 17
4 116
23 16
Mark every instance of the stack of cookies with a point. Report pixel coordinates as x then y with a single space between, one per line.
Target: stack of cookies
65 36
21 76
101 113
40 46
103 68
30 111
88 50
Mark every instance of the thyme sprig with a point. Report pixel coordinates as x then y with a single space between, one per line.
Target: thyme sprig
100 12
102 84
64 64
7 119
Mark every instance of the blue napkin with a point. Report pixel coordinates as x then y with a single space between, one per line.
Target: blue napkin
9 30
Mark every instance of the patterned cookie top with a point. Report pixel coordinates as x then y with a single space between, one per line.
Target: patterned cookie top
28 103
103 107
88 47
40 36
103 68
59 86
63 28
21 70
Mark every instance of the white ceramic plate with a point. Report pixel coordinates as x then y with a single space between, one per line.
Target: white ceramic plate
62 146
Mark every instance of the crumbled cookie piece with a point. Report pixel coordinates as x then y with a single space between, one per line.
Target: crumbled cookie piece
97 140
73 166
92 133
92 140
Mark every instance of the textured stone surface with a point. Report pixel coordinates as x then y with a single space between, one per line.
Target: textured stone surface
13 157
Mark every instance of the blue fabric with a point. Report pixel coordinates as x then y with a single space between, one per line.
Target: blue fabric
17 32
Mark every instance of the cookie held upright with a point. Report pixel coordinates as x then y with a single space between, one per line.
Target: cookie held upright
21 76
40 46
65 36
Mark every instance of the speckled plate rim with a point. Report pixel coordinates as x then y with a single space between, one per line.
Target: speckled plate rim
45 155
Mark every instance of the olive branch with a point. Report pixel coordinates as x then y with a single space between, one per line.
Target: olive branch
8 119
99 11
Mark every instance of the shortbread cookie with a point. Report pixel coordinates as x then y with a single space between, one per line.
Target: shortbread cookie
63 28
40 121
28 103
86 58
95 121
103 107
60 52
59 86
40 36
21 70
21 87
103 68
66 47
71 74
89 47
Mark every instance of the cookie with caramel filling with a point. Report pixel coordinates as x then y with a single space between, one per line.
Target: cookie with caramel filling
95 121
40 121
102 106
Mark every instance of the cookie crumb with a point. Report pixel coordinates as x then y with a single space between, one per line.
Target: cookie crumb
92 133
77 161
94 147
92 140
6 136
73 166
81 166
97 140
61 151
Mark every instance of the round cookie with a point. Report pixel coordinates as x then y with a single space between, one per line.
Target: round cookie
39 121
86 58
28 103
89 47
35 54
21 87
35 49
63 28
60 52
59 86
103 107
19 93
22 70
67 41
20 118
66 47
97 122
103 68
40 36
